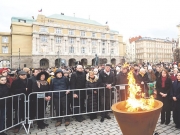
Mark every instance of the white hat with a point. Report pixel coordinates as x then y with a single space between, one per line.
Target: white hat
95 70
149 68
117 68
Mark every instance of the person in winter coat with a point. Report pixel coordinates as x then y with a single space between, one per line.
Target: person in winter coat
173 76
4 92
41 85
60 99
78 81
92 103
151 75
20 85
123 79
142 80
163 87
175 96
33 77
106 80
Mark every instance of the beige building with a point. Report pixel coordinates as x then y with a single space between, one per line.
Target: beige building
153 50
178 35
59 39
131 49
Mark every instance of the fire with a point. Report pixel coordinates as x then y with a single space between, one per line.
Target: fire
137 100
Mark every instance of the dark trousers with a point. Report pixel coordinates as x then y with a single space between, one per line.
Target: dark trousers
62 108
19 112
176 115
9 113
105 104
165 115
2 118
78 105
40 110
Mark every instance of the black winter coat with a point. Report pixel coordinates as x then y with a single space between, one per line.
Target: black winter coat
166 90
122 78
105 79
92 97
78 81
145 79
18 86
175 92
4 92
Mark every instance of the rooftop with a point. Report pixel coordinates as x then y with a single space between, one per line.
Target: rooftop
19 19
154 39
74 19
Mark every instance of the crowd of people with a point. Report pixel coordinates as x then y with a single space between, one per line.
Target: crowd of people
165 77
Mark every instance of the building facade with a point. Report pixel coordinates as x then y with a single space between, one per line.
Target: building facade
61 40
131 49
154 50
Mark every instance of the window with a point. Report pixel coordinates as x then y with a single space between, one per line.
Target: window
71 32
23 21
83 41
112 36
71 49
43 29
58 40
112 43
4 49
93 34
5 39
102 35
83 50
71 40
83 33
93 42
43 38
93 50
103 42
103 50
112 51
58 30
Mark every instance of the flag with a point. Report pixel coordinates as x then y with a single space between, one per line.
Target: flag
40 10
106 22
32 17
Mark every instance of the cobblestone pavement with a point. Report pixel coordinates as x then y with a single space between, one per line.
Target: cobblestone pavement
95 127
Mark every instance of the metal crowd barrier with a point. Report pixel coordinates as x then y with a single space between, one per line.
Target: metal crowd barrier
62 104
13 112
88 102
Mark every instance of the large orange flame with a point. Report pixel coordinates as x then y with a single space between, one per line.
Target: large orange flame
137 100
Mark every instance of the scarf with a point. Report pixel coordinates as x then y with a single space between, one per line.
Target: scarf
39 82
163 81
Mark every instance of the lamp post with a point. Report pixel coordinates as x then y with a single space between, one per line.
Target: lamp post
19 59
59 61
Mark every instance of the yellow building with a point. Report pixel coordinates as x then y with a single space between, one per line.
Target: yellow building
153 50
59 39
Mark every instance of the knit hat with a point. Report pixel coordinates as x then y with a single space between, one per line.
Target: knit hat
58 71
2 70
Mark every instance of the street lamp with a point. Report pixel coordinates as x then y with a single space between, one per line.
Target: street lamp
19 59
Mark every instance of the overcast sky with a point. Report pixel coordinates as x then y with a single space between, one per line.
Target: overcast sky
150 18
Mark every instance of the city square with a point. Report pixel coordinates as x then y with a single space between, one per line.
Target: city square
90 67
